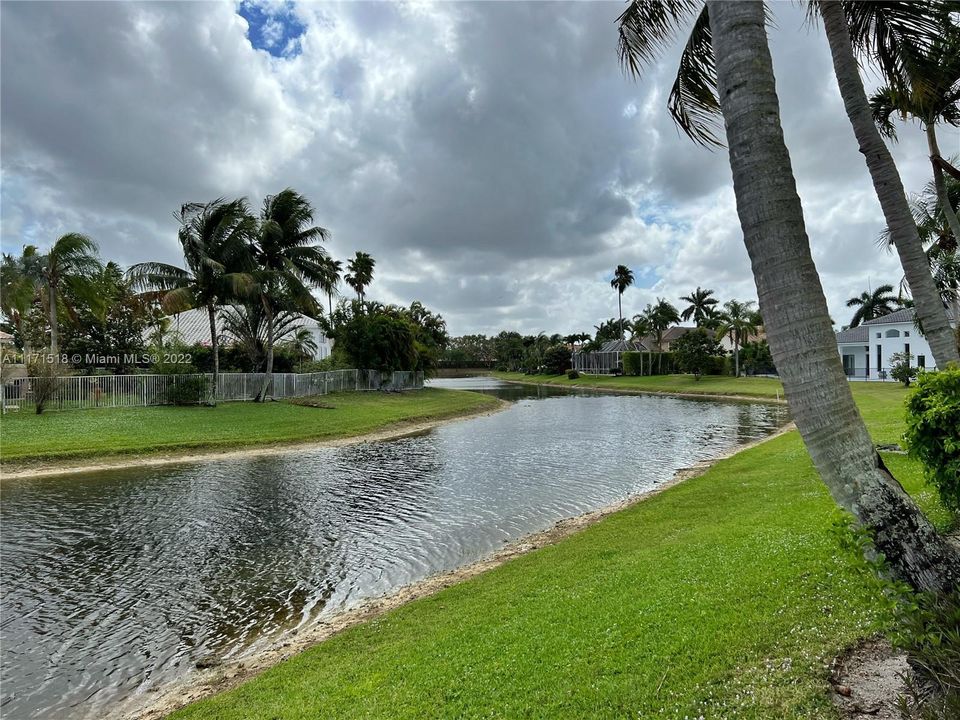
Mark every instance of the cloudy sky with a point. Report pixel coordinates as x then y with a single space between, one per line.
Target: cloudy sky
492 157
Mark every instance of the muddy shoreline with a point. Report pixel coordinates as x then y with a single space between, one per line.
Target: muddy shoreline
159 702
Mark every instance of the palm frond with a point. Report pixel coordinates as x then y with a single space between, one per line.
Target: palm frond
693 103
647 27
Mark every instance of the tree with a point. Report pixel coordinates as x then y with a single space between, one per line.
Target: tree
622 279
331 279
887 32
303 345
929 93
215 238
791 298
661 316
288 263
247 323
871 305
640 328
360 268
739 322
19 289
70 263
700 308
695 351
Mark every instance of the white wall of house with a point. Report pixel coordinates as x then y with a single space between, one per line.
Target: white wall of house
870 358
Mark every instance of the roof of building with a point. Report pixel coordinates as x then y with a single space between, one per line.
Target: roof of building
193 326
904 315
859 334
621 346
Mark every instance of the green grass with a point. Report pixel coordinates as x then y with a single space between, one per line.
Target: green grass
707 385
110 431
725 596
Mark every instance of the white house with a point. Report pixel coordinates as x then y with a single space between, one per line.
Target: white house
866 350
193 326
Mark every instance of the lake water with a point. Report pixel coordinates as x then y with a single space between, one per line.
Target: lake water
116 582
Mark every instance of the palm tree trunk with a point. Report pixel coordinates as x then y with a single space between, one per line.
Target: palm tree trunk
620 311
736 357
939 184
330 303
268 375
889 188
215 348
795 310
54 327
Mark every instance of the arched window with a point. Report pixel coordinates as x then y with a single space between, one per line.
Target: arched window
893 333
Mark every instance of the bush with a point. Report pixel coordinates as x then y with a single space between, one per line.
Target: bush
45 383
189 390
572 374
933 431
901 369
556 360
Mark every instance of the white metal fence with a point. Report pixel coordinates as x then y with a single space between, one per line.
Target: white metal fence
80 392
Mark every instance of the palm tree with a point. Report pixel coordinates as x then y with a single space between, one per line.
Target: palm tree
660 317
19 287
701 307
288 263
622 279
929 93
303 345
872 305
71 263
215 240
791 298
739 321
639 329
332 269
889 32
360 267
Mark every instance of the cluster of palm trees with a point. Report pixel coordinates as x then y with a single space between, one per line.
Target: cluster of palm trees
726 69
264 267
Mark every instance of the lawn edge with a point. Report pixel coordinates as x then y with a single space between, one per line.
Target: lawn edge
53 466
203 684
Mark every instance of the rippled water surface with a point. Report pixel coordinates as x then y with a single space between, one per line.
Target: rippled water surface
115 582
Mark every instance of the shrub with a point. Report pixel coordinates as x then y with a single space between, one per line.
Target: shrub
556 360
573 374
45 383
694 352
933 431
901 369
187 390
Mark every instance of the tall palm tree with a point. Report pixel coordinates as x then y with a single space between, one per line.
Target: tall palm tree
791 298
639 329
289 263
218 268
872 305
660 316
360 268
929 93
622 279
700 308
71 263
19 287
332 270
887 32
739 321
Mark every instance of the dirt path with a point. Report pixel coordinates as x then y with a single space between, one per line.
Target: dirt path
203 683
394 431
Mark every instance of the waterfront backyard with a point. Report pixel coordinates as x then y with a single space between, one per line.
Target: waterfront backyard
727 592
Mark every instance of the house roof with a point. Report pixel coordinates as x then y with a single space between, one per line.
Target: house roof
859 334
905 315
621 346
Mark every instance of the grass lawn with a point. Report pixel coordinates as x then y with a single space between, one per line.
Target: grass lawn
111 431
707 385
725 596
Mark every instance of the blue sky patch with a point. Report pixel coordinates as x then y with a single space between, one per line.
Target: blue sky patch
273 27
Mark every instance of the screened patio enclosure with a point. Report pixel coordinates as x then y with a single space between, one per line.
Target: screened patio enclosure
605 361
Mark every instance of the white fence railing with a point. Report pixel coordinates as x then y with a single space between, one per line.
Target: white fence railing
78 392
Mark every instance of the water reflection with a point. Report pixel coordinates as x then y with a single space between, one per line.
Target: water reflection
118 581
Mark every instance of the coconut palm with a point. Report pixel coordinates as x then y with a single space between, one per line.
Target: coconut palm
215 239
622 279
700 308
71 264
289 263
738 320
19 287
890 33
360 268
872 305
929 93
332 270
791 297
660 316
640 329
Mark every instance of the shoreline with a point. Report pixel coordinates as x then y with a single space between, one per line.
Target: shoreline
203 683
664 393
77 466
